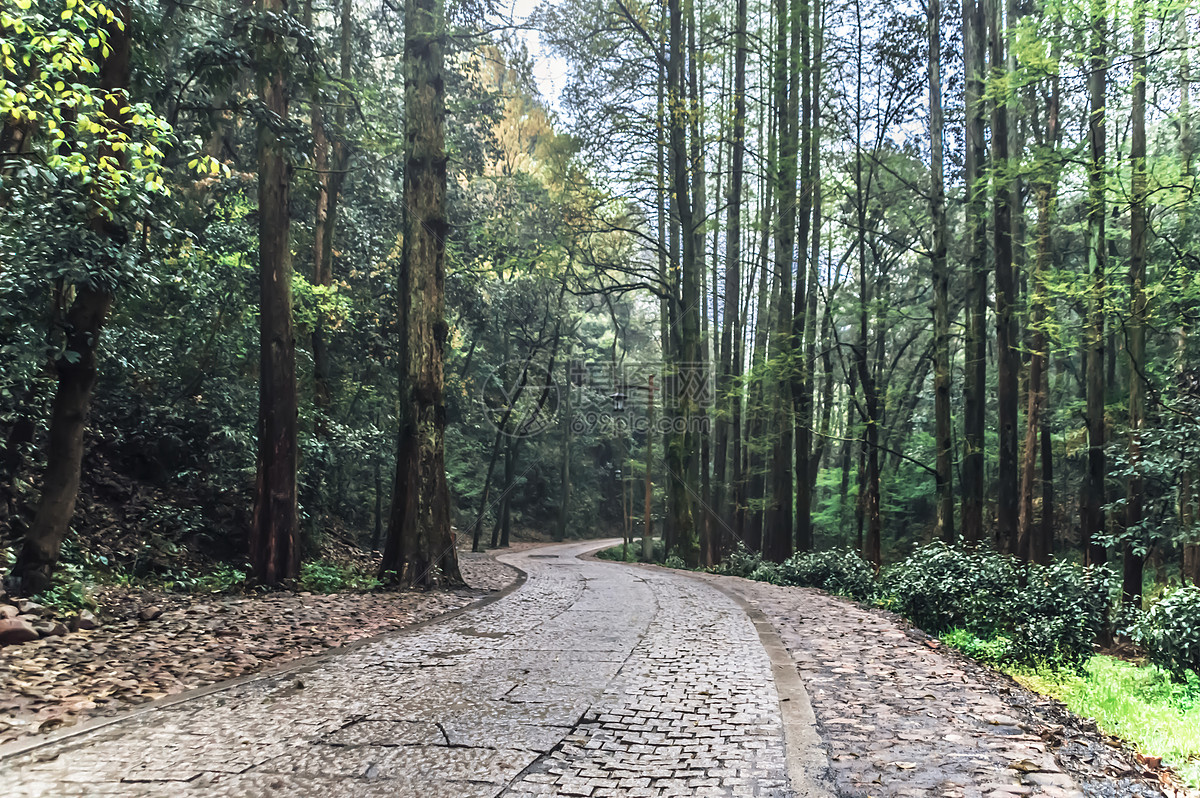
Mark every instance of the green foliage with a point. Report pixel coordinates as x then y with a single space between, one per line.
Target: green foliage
71 590
939 587
675 561
327 577
1048 613
996 650
839 571
767 572
1142 704
620 553
1170 633
740 562
222 578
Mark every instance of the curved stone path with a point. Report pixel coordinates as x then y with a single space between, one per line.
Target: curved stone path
592 679
601 679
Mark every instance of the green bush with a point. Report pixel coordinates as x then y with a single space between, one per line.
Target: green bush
327 577
938 588
675 561
841 572
740 562
996 650
767 572
1063 609
1170 632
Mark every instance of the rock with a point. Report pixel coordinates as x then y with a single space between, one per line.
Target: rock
31 607
85 620
8 611
150 613
15 630
50 628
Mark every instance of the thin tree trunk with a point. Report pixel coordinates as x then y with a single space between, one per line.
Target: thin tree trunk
1136 328
1032 542
1094 495
943 433
777 533
975 371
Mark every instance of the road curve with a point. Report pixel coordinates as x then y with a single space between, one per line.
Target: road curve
592 679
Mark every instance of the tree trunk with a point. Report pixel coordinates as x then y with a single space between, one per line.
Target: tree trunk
76 366
420 548
943 434
777 532
274 537
1008 364
975 371
1034 542
728 370
1136 328
1094 495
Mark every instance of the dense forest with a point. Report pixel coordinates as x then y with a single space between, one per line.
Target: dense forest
793 275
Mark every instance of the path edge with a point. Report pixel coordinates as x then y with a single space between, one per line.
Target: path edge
34 742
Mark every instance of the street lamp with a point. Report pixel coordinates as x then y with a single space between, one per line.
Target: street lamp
618 400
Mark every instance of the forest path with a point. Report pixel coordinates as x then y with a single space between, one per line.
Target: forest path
591 679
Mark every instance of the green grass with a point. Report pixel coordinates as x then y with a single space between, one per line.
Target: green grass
1138 703
622 553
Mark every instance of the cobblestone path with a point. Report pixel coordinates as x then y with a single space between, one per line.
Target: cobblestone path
901 719
592 679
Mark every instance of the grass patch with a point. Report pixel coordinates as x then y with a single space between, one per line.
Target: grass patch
631 552
1138 703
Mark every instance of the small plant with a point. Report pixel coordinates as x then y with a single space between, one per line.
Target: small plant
995 650
70 590
675 561
740 562
1170 632
326 577
767 572
840 572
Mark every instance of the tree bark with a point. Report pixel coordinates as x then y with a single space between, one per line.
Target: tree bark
943 433
420 547
1094 494
1133 560
975 371
1008 364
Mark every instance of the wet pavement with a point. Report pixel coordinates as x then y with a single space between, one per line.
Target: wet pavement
592 679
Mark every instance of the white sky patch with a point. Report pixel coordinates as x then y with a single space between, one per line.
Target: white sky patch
549 70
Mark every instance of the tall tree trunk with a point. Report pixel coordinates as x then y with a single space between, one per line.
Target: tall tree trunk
420 548
802 324
777 534
274 537
1094 495
729 368
1008 364
1136 327
1035 542
943 433
681 454
975 371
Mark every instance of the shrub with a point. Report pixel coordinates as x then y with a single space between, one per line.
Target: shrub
996 650
767 572
327 577
1170 632
841 572
740 562
938 588
1063 609
675 561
